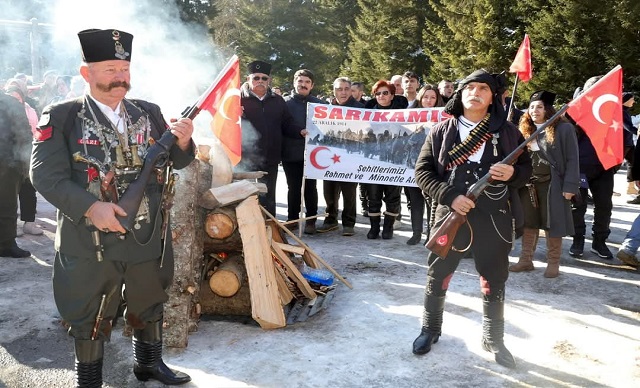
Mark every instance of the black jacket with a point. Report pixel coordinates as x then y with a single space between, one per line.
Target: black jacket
293 148
15 134
433 159
264 123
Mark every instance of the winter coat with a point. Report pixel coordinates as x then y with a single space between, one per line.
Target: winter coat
431 173
293 147
562 156
264 124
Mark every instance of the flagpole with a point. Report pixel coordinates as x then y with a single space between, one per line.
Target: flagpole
304 182
513 95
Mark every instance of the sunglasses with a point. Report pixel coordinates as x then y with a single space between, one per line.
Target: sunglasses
258 78
384 93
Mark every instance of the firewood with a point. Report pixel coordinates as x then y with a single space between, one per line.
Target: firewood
291 248
227 278
220 223
266 308
227 194
286 296
293 272
308 249
249 175
222 169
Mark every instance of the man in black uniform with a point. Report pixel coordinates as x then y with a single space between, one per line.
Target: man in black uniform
455 155
14 159
111 135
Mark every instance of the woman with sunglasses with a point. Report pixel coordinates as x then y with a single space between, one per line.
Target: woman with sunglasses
384 93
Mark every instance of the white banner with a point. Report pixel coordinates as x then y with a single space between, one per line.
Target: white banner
366 145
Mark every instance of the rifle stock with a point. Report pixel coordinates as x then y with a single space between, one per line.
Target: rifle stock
441 241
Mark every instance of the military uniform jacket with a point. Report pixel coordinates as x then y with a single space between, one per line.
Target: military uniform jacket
64 182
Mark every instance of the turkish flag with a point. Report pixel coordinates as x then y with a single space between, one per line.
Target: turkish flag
522 63
224 105
598 111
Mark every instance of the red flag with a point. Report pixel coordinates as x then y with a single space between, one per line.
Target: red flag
598 111
522 63
224 105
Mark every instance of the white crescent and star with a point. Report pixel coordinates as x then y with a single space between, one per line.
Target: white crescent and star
597 105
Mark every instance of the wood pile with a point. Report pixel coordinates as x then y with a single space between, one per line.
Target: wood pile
229 261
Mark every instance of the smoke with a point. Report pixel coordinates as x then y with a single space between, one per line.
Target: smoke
172 61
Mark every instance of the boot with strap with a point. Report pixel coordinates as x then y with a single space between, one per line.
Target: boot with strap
431 324
529 243
554 250
147 355
88 366
434 295
374 220
493 329
387 228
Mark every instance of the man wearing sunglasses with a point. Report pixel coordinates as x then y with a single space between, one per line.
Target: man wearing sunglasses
265 121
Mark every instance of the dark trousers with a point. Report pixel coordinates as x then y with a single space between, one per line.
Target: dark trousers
28 201
376 194
418 205
11 179
601 187
294 171
488 235
268 200
628 155
332 191
80 282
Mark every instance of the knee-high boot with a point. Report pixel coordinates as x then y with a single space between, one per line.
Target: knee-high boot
554 250
374 220
89 363
529 242
431 324
147 355
493 329
387 228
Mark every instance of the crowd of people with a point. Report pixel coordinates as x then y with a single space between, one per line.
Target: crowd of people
546 189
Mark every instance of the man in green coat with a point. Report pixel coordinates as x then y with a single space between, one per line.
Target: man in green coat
97 260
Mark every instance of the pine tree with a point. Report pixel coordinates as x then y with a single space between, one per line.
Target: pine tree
385 40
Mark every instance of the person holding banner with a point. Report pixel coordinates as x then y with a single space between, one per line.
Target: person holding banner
555 180
383 92
293 153
428 97
95 266
457 153
333 189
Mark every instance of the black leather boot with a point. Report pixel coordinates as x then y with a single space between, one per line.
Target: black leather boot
147 355
387 228
493 329
431 324
89 363
374 232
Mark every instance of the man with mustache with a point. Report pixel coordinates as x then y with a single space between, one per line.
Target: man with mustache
293 152
265 122
457 153
96 260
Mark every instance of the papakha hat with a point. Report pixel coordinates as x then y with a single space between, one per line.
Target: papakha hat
259 67
105 45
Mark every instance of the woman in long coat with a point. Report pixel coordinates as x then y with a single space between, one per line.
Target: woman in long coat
555 180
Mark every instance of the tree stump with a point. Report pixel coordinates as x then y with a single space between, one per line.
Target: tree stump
228 277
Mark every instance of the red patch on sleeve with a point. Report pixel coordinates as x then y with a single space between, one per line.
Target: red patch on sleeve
43 134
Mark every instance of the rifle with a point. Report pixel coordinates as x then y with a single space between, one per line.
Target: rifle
158 156
441 241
